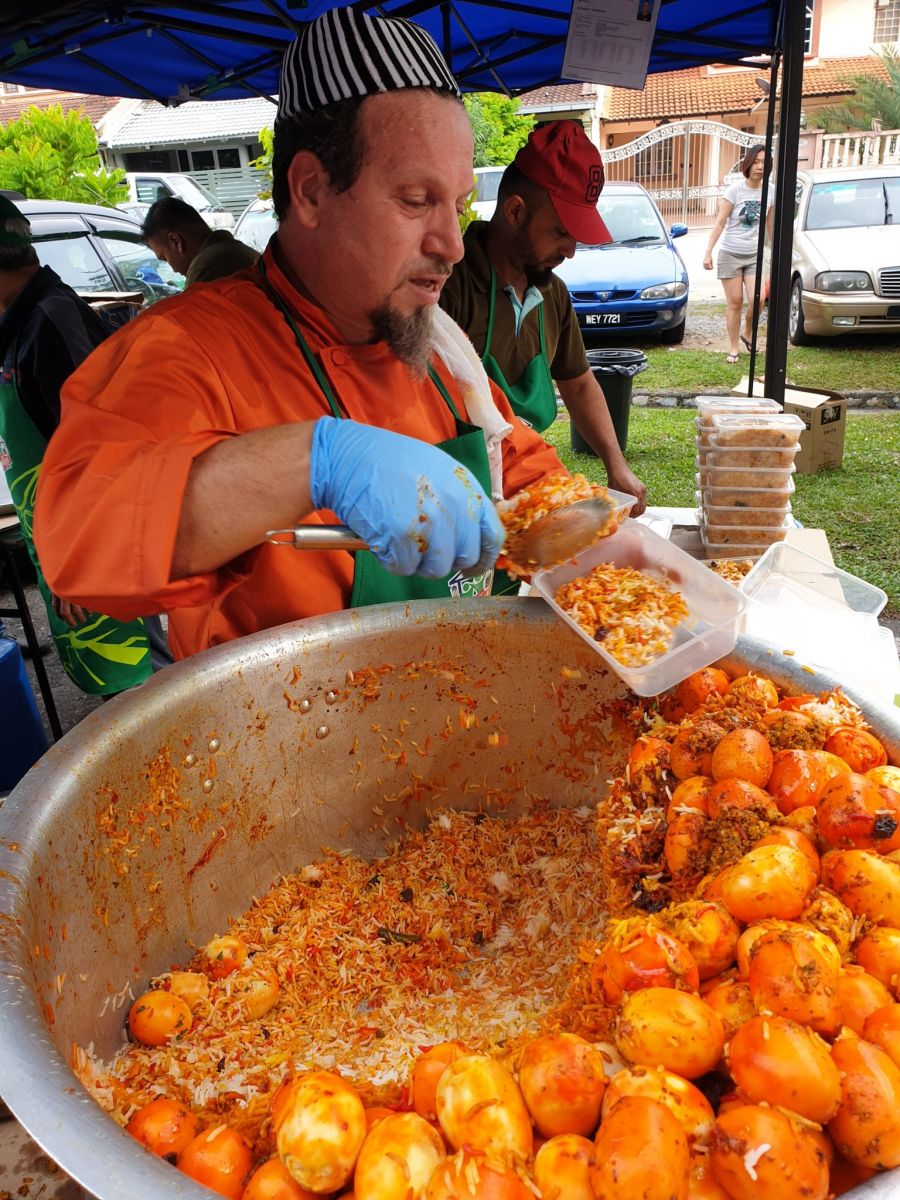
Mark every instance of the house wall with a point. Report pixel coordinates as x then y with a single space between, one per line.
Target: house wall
845 28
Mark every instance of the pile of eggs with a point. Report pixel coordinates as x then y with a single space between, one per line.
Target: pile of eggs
754 1026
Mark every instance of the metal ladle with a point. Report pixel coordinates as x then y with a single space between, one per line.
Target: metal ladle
550 540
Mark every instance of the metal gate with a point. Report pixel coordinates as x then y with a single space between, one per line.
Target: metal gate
683 165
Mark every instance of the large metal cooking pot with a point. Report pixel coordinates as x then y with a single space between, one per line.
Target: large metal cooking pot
246 761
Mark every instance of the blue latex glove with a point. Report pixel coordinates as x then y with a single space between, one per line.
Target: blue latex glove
419 511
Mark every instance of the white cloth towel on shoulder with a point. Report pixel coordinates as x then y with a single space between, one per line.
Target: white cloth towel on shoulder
463 363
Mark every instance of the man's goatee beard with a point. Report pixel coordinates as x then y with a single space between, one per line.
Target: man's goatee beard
410 338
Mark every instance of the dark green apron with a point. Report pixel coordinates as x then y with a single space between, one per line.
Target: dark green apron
372 584
101 656
532 396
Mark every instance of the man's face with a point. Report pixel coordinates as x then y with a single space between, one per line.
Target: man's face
393 237
171 248
541 243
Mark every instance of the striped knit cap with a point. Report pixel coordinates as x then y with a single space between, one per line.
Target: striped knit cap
345 54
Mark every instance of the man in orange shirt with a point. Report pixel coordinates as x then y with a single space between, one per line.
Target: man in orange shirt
316 386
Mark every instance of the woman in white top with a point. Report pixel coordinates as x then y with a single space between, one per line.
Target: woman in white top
739 214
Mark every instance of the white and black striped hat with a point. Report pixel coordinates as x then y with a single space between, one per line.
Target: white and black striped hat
345 54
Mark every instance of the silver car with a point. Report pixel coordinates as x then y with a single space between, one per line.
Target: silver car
845 265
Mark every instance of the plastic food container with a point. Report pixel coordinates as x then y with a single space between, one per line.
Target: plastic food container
623 502
747 562
750 498
742 477
709 406
759 457
759 536
767 518
757 429
715 606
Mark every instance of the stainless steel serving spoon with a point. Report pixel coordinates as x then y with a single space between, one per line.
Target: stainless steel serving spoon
550 540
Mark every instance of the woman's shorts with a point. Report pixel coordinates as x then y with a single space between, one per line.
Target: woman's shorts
733 266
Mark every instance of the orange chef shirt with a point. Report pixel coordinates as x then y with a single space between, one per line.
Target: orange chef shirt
213 363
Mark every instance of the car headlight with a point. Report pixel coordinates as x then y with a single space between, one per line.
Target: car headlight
664 291
843 281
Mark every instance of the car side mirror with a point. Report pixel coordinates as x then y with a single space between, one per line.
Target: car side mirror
678 230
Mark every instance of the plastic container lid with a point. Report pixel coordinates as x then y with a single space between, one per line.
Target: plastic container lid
823 616
756 429
707 405
751 495
723 550
785 574
715 605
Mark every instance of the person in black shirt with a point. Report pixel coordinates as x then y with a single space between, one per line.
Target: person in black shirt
645 12
46 331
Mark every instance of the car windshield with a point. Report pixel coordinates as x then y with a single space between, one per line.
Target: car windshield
631 220
255 228
854 203
487 184
193 191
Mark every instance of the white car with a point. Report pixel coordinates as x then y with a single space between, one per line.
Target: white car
487 181
256 224
146 187
845 265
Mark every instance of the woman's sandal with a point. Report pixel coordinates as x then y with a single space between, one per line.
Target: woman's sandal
732 358
746 342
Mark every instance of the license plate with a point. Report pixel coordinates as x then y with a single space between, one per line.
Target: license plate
603 319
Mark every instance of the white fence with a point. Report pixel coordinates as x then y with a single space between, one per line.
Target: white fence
861 149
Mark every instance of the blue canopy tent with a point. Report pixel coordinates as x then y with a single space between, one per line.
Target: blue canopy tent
185 49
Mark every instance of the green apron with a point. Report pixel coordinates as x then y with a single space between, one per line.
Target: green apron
101 656
372 584
532 396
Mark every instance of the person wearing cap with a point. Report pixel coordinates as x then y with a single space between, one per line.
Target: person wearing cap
46 330
517 313
322 385
177 234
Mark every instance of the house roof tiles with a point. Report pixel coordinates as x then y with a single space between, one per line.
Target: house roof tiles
702 91
152 124
14 104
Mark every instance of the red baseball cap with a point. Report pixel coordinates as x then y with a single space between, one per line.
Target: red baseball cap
560 158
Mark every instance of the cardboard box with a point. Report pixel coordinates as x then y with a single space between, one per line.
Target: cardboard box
825 416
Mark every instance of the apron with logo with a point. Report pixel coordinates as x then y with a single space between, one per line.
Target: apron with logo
372 584
101 656
532 396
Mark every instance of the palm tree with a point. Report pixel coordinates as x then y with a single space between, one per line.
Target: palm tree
875 104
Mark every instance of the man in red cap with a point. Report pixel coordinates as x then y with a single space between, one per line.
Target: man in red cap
516 311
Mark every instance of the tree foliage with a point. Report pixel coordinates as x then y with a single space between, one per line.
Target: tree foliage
47 154
497 126
264 162
875 103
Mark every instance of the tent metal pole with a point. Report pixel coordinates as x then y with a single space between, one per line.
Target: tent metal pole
764 201
792 21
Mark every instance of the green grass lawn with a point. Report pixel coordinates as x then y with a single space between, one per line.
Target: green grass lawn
857 505
850 363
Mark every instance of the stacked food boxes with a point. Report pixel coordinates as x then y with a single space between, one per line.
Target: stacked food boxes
745 466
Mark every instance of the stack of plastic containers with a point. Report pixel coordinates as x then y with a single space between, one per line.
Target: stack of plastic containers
745 465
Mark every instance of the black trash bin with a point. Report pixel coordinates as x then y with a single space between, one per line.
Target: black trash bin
614 371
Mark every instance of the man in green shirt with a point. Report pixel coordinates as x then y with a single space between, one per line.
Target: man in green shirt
517 313
178 235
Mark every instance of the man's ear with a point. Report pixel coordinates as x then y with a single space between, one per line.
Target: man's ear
176 241
515 210
307 183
